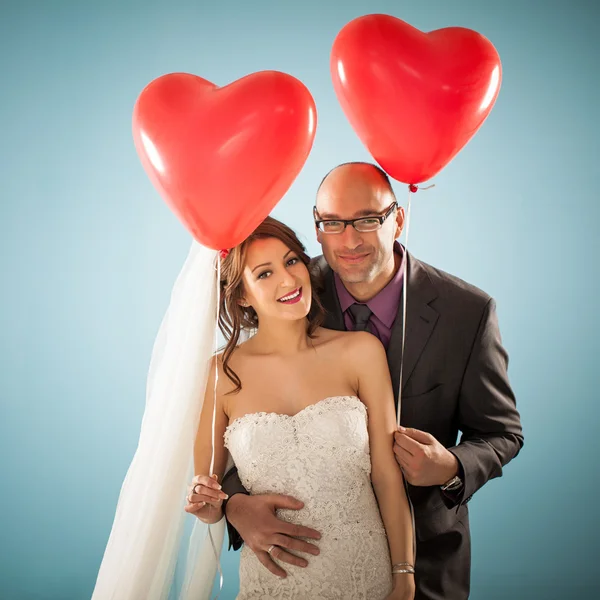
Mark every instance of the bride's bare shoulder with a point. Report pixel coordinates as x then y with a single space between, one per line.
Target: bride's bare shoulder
324 336
227 373
347 340
239 359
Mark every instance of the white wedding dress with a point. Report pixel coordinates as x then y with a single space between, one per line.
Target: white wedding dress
321 457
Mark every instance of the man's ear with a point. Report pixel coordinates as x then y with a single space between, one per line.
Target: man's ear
399 222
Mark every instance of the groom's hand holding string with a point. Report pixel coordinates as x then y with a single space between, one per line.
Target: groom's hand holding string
270 538
423 460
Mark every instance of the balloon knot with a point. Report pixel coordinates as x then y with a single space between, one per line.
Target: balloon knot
413 188
223 253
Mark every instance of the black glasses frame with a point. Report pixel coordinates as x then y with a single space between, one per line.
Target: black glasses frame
346 222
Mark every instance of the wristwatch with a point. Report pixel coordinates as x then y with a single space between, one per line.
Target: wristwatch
453 484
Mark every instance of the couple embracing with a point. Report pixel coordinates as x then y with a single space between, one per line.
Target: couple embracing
325 486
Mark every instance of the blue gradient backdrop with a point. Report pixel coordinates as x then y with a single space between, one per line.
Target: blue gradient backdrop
89 253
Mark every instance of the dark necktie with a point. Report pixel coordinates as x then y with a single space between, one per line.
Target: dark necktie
361 314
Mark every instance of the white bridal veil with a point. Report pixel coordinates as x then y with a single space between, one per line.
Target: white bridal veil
141 554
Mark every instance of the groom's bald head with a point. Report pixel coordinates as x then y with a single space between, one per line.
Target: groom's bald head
362 174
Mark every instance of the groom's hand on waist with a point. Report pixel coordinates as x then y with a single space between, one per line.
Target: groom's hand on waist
270 538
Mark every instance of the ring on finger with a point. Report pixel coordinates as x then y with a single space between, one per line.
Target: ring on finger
271 550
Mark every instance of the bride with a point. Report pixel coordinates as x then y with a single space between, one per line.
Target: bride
306 411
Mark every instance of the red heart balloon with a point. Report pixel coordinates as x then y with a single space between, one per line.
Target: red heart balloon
414 98
222 157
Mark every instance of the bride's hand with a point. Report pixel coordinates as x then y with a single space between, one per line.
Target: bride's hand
205 499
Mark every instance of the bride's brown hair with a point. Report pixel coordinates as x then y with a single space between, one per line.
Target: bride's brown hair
232 316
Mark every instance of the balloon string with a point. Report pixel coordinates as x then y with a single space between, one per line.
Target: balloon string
221 578
404 302
215 347
412 189
214 419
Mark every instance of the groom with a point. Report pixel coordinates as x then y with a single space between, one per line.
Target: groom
454 378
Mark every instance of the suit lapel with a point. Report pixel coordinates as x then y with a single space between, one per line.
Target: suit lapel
421 320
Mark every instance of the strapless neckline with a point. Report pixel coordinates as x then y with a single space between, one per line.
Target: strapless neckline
309 408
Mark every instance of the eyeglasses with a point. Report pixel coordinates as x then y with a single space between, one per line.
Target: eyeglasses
362 225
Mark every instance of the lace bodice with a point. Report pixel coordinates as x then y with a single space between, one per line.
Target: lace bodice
321 457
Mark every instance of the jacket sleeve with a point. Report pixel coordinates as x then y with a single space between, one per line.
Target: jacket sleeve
487 412
232 485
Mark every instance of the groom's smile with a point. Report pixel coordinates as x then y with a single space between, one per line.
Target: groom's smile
353 259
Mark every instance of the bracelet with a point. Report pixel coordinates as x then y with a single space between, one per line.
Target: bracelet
403 568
